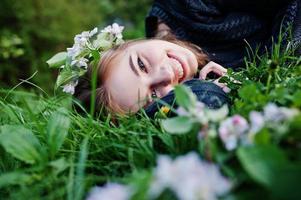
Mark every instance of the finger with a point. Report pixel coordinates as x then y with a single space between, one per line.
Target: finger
212 67
224 87
221 85
205 71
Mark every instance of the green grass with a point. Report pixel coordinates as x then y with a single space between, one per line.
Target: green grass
64 153
114 150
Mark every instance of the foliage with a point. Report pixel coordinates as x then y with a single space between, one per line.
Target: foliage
59 154
50 151
10 46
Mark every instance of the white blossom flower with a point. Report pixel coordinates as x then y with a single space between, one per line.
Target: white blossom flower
81 40
75 51
114 29
199 107
231 130
93 32
203 114
70 87
84 46
107 29
181 111
256 122
289 112
199 112
81 62
216 115
117 30
111 191
83 37
273 113
189 178
80 43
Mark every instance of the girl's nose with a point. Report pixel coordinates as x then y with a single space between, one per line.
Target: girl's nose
162 79
163 75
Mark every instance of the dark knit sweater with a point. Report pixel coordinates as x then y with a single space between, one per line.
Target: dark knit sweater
225 29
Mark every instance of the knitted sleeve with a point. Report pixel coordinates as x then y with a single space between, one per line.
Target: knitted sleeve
266 8
222 27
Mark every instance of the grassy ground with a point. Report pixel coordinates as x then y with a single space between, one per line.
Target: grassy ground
49 151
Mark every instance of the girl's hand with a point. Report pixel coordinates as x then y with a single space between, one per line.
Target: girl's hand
212 67
217 69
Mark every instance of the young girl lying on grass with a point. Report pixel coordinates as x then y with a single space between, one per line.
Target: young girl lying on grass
132 74
129 75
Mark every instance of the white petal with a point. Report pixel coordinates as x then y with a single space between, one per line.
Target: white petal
69 88
93 32
218 114
189 178
107 29
257 121
111 191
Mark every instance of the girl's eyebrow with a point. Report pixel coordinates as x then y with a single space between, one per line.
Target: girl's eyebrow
133 66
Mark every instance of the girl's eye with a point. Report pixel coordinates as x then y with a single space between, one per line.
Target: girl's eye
154 94
141 65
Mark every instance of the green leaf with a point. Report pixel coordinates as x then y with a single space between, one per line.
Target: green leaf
297 98
96 55
21 143
65 76
185 97
248 91
79 184
286 182
14 178
102 41
59 165
263 137
105 44
141 182
178 125
267 165
260 162
251 92
57 130
10 111
57 60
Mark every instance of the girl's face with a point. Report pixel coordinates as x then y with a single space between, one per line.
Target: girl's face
148 69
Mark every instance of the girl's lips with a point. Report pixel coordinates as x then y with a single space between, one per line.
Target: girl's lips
183 65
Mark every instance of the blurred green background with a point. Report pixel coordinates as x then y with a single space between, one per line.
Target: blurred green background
31 31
